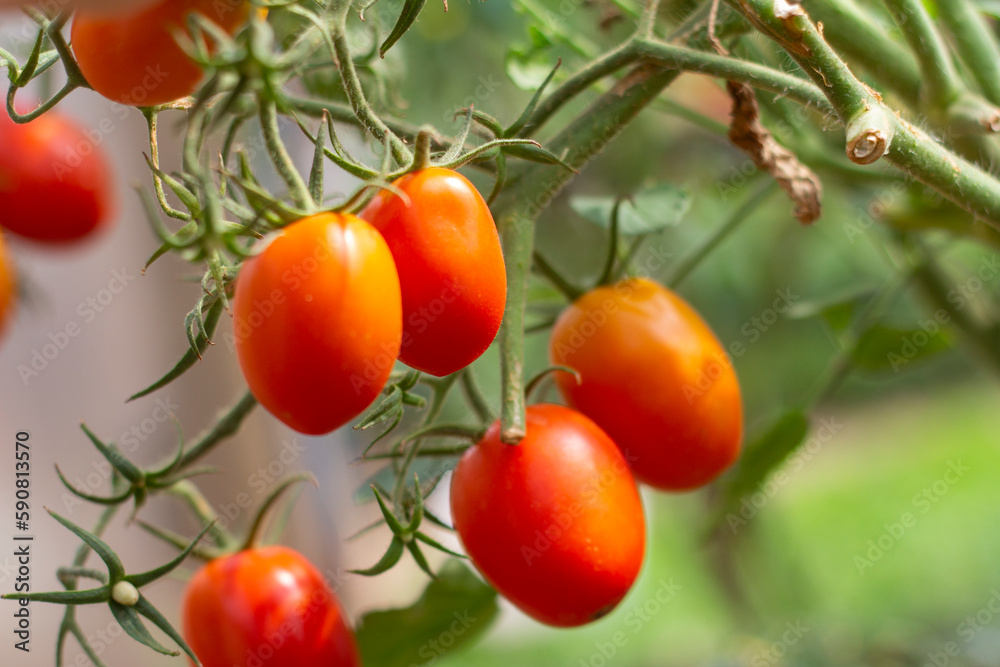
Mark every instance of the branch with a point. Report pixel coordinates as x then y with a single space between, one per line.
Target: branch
873 130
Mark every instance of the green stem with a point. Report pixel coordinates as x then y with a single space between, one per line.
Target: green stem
550 273
517 234
935 288
873 130
359 103
297 188
518 208
939 75
690 262
226 426
193 497
976 45
860 36
648 19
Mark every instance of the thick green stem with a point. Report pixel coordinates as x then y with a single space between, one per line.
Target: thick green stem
873 130
857 34
537 185
939 75
976 45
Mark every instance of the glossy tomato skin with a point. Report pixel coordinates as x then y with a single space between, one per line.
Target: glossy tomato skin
451 268
134 58
554 523
266 606
655 378
8 288
55 184
318 321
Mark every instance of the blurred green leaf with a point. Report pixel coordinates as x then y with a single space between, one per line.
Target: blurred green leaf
837 312
651 210
765 453
529 66
884 348
454 609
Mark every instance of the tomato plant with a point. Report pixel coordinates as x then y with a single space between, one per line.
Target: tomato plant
451 268
335 281
317 320
8 288
555 523
135 58
655 378
268 604
56 186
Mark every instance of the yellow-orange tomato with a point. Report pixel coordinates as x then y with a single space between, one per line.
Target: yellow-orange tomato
8 288
318 321
451 268
554 523
134 58
655 378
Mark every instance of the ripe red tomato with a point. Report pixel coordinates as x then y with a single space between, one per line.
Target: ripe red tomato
55 183
554 523
655 378
267 606
318 321
134 58
450 265
107 6
8 288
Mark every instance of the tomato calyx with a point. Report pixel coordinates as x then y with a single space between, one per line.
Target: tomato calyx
120 591
535 383
129 480
406 536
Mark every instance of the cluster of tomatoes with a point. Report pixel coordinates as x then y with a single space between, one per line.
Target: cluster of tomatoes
556 523
329 304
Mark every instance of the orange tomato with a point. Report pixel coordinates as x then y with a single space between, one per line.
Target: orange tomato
8 288
318 321
134 58
554 523
655 378
267 606
451 268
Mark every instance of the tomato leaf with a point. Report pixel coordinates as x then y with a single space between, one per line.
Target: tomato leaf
883 348
131 623
192 355
411 9
765 453
650 210
456 605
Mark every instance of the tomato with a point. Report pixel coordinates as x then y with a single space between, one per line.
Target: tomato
554 523
108 6
8 288
134 58
318 321
451 268
55 183
267 606
655 378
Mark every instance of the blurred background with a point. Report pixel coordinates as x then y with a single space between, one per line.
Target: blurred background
879 544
